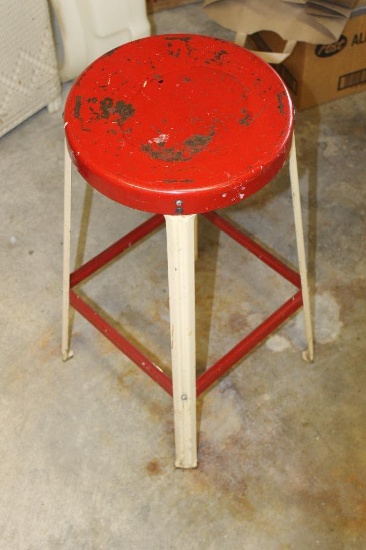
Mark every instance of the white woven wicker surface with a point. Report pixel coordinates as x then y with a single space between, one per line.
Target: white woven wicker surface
29 78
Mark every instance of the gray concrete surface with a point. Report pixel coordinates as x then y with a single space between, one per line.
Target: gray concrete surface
87 448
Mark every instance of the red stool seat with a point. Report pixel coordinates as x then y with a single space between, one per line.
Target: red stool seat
178 118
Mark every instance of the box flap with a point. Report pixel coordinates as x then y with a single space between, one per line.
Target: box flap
288 19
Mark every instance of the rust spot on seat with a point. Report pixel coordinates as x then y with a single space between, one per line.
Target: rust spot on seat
124 110
280 103
216 57
219 54
174 46
247 118
77 106
190 147
108 107
161 152
197 142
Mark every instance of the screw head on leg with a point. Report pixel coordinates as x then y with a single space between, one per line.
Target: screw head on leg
179 206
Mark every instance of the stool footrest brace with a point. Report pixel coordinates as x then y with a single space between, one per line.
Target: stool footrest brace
239 351
121 342
116 249
248 343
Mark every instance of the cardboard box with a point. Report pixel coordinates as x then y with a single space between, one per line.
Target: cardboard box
317 74
158 5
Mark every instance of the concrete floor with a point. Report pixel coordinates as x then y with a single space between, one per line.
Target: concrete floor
87 448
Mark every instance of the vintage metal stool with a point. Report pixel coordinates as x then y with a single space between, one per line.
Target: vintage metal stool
180 125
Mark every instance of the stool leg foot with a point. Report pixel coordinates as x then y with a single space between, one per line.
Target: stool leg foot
308 355
66 352
180 243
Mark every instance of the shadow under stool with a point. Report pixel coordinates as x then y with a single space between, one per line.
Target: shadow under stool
181 125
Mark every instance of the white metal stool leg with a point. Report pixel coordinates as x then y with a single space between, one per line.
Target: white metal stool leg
66 352
196 238
180 244
308 355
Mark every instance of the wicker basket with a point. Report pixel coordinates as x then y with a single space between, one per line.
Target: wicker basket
29 78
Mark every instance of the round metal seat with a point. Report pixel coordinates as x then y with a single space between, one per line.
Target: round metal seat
180 125
186 118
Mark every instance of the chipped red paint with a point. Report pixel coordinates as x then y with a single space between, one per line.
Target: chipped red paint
182 117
